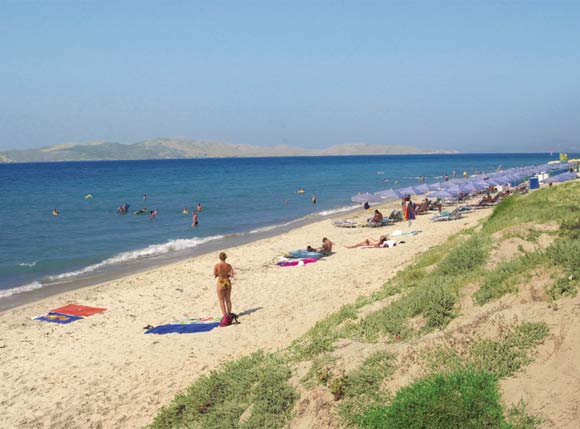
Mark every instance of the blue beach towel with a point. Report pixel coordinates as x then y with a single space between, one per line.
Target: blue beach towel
53 317
299 254
189 328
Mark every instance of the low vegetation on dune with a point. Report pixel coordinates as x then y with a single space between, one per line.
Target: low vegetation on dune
411 355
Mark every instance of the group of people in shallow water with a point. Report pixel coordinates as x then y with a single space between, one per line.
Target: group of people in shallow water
124 209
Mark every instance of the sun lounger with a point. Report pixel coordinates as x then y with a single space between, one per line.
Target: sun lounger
346 223
384 222
396 216
423 208
455 214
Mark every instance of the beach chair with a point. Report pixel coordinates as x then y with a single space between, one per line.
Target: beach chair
482 204
343 223
445 216
395 216
423 208
384 222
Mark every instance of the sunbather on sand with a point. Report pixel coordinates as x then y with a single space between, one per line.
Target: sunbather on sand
370 242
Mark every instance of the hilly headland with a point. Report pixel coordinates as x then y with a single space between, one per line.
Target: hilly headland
166 148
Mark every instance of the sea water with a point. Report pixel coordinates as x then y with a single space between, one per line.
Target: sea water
240 196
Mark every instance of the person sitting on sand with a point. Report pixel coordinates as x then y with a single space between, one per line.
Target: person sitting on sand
224 272
377 218
370 242
367 206
325 249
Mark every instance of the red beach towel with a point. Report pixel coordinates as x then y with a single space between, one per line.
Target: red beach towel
78 310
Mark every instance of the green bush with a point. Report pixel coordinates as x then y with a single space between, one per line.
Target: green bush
461 399
465 258
217 400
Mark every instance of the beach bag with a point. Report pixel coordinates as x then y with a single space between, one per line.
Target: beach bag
229 319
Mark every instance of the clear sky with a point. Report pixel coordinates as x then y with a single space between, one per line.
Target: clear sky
478 76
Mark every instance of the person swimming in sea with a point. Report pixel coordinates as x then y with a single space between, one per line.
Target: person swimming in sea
199 207
153 214
313 198
185 211
123 209
194 220
55 212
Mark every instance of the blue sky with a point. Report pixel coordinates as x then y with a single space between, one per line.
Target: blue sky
478 76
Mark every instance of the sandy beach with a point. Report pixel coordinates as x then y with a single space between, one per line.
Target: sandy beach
104 372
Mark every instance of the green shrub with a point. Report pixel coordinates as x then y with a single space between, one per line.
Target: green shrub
361 389
502 357
565 254
461 399
466 257
217 400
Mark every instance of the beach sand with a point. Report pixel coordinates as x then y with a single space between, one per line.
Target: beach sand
104 372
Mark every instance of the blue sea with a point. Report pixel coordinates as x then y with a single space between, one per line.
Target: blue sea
240 197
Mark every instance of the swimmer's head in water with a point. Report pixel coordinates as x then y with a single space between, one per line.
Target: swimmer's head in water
223 256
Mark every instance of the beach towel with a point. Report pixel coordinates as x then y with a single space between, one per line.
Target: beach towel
189 328
299 254
78 310
53 317
295 262
401 233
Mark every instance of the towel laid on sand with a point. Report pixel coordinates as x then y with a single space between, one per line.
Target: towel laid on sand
78 310
296 262
53 317
189 328
401 233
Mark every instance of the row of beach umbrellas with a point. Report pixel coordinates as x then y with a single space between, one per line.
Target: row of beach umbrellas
454 187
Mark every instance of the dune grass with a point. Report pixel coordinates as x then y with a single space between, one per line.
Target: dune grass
258 383
501 357
461 399
461 391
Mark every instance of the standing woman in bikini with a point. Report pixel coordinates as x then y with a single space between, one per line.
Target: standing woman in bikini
224 273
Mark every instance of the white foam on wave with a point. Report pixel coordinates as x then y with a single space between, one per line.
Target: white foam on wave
338 210
26 264
133 255
25 288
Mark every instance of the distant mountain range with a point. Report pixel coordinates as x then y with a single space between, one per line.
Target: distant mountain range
164 148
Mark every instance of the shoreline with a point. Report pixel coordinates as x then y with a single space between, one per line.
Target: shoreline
141 265
108 373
